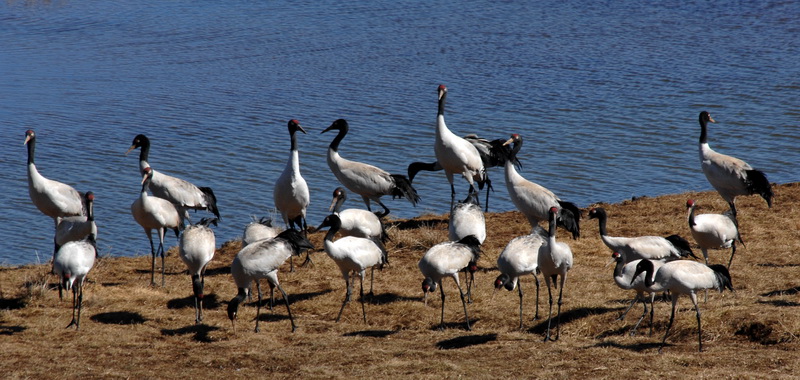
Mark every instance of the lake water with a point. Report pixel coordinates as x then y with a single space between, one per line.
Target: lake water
606 95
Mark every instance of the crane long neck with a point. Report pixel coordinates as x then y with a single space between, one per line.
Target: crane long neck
31 150
648 272
703 131
691 217
337 207
331 233
552 230
514 151
90 211
145 186
144 150
294 141
336 140
602 218
441 104
618 268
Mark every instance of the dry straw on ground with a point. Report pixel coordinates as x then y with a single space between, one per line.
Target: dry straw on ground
130 330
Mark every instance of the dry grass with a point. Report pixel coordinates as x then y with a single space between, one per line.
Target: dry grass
131 330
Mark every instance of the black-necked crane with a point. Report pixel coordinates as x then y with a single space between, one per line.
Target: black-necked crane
52 198
357 222
555 259
197 245
672 247
258 229
729 175
71 264
625 280
290 193
520 257
534 201
262 259
352 255
456 155
368 181
466 218
493 154
681 277
446 260
74 228
182 193
713 231
154 213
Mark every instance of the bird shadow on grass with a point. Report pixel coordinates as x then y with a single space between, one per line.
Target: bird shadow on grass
569 316
784 292
158 272
413 224
218 271
297 297
454 325
271 316
637 347
119 318
11 330
201 332
773 265
781 303
371 333
210 301
465 341
385 298
12 303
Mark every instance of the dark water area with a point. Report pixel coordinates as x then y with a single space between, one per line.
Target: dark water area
606 95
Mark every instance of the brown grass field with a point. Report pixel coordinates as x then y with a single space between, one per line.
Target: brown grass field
131 330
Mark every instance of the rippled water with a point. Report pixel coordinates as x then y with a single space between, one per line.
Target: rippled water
606 95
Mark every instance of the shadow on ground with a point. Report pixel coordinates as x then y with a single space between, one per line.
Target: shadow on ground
119 318
466 341
200 333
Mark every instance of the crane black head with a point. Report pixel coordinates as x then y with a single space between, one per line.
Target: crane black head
503 280
294 126
597 213
705 117
339 125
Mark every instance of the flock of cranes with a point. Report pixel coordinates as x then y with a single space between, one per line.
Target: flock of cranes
646 264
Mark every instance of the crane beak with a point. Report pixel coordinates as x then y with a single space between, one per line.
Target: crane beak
711 119
299 128
333 204
425 297
509 141
27 138
609 263
128 151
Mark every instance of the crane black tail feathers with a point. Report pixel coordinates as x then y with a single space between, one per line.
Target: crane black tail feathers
570 218
682 245
757 183
384 235
474 245
723 277
403 189
211 200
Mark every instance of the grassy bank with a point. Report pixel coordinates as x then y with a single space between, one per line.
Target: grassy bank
130 330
